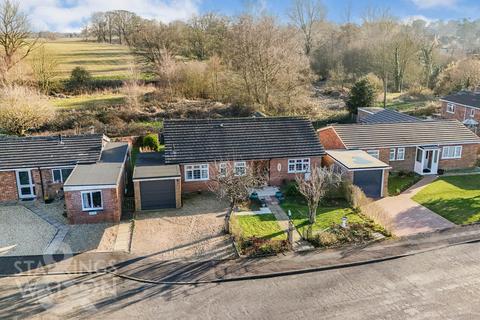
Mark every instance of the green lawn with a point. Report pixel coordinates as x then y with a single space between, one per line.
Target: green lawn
325 215
399 183
102 60
456 198
89 101
261 226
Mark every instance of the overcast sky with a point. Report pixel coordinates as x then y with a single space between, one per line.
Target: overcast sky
70 15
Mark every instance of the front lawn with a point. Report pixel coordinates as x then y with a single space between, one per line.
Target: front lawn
397 183
325 215
259 226
456 198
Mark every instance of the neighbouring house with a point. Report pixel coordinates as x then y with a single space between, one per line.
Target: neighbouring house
95 192
380 115
195 150
423 147
37 167
463 106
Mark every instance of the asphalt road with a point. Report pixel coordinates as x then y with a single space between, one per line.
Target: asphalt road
443 284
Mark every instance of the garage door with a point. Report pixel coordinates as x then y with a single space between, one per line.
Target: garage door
158 194
370 181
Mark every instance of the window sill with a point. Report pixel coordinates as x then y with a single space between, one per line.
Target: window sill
454 158
90 210
199 180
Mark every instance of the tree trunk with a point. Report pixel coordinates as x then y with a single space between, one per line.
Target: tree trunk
312 213
385 81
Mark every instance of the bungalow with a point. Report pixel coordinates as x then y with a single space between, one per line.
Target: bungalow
380 115
279 147
463 106
37 167
420 146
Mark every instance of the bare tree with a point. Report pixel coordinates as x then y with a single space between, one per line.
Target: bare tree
14 33
45 69
23 109
305 14
233 184
314 185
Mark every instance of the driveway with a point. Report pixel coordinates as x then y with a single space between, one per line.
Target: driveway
194 231
407 217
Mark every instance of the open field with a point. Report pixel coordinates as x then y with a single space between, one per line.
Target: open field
89 101
102 60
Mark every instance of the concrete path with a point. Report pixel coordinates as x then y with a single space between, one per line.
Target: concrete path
124 237
298 243
408 217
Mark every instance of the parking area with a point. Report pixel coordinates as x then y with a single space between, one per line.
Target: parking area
194 231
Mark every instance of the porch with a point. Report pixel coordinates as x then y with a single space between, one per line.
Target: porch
427 159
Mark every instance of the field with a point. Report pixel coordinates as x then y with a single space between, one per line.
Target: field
102 60
89 101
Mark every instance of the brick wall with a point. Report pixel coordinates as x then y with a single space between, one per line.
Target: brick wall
329 139
112 207
468 160
8 186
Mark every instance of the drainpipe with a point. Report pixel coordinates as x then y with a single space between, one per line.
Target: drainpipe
41 184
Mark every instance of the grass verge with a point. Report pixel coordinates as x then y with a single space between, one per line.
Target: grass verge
260 226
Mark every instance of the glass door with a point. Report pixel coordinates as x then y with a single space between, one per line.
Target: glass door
26 187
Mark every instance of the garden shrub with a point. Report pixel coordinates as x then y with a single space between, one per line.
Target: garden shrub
80 80
151 142
290 189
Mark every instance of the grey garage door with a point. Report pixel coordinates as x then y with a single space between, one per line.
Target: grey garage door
370 181
158 194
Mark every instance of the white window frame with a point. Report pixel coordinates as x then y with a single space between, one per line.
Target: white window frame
447 152
472 112
193 167
91 192
61 174
393 154
304 162
374 153
240 165
400 151
222 169
450 108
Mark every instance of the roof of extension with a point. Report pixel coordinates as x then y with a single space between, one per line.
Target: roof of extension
105 172
47 151
389 116
468 98
151 165
190 141
356 159
371 110
404 134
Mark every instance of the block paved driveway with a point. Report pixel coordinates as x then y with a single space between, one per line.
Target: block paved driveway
408 217
193 232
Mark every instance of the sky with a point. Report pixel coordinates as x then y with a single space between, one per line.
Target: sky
71 15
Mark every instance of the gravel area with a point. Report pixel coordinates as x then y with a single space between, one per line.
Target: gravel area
54 209
22 232
92 237
194 231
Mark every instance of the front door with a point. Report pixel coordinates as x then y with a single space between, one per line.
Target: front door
26 187
430 162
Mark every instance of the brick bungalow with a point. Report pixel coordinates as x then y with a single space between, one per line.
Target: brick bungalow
463 106
423 147
37 167
279 147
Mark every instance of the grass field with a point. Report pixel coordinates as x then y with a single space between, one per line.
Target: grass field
102 60
89 101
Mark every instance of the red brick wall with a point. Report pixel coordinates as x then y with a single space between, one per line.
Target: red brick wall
276 177
468 160
329 139
8 186
112 207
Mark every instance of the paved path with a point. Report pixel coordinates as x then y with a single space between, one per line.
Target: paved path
124 237
298 243
408 217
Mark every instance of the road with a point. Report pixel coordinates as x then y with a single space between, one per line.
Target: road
442 284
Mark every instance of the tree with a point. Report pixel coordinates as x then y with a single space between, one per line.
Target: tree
233 185
23 109
362 95
406 48
14 33
206 35
305 14
44 67
80 79
315 185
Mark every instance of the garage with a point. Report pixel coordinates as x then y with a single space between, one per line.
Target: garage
370 181
365 171
156 185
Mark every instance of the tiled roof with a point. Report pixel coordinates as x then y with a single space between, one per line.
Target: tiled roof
379 135
46 151
389 116
239 139
467 98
